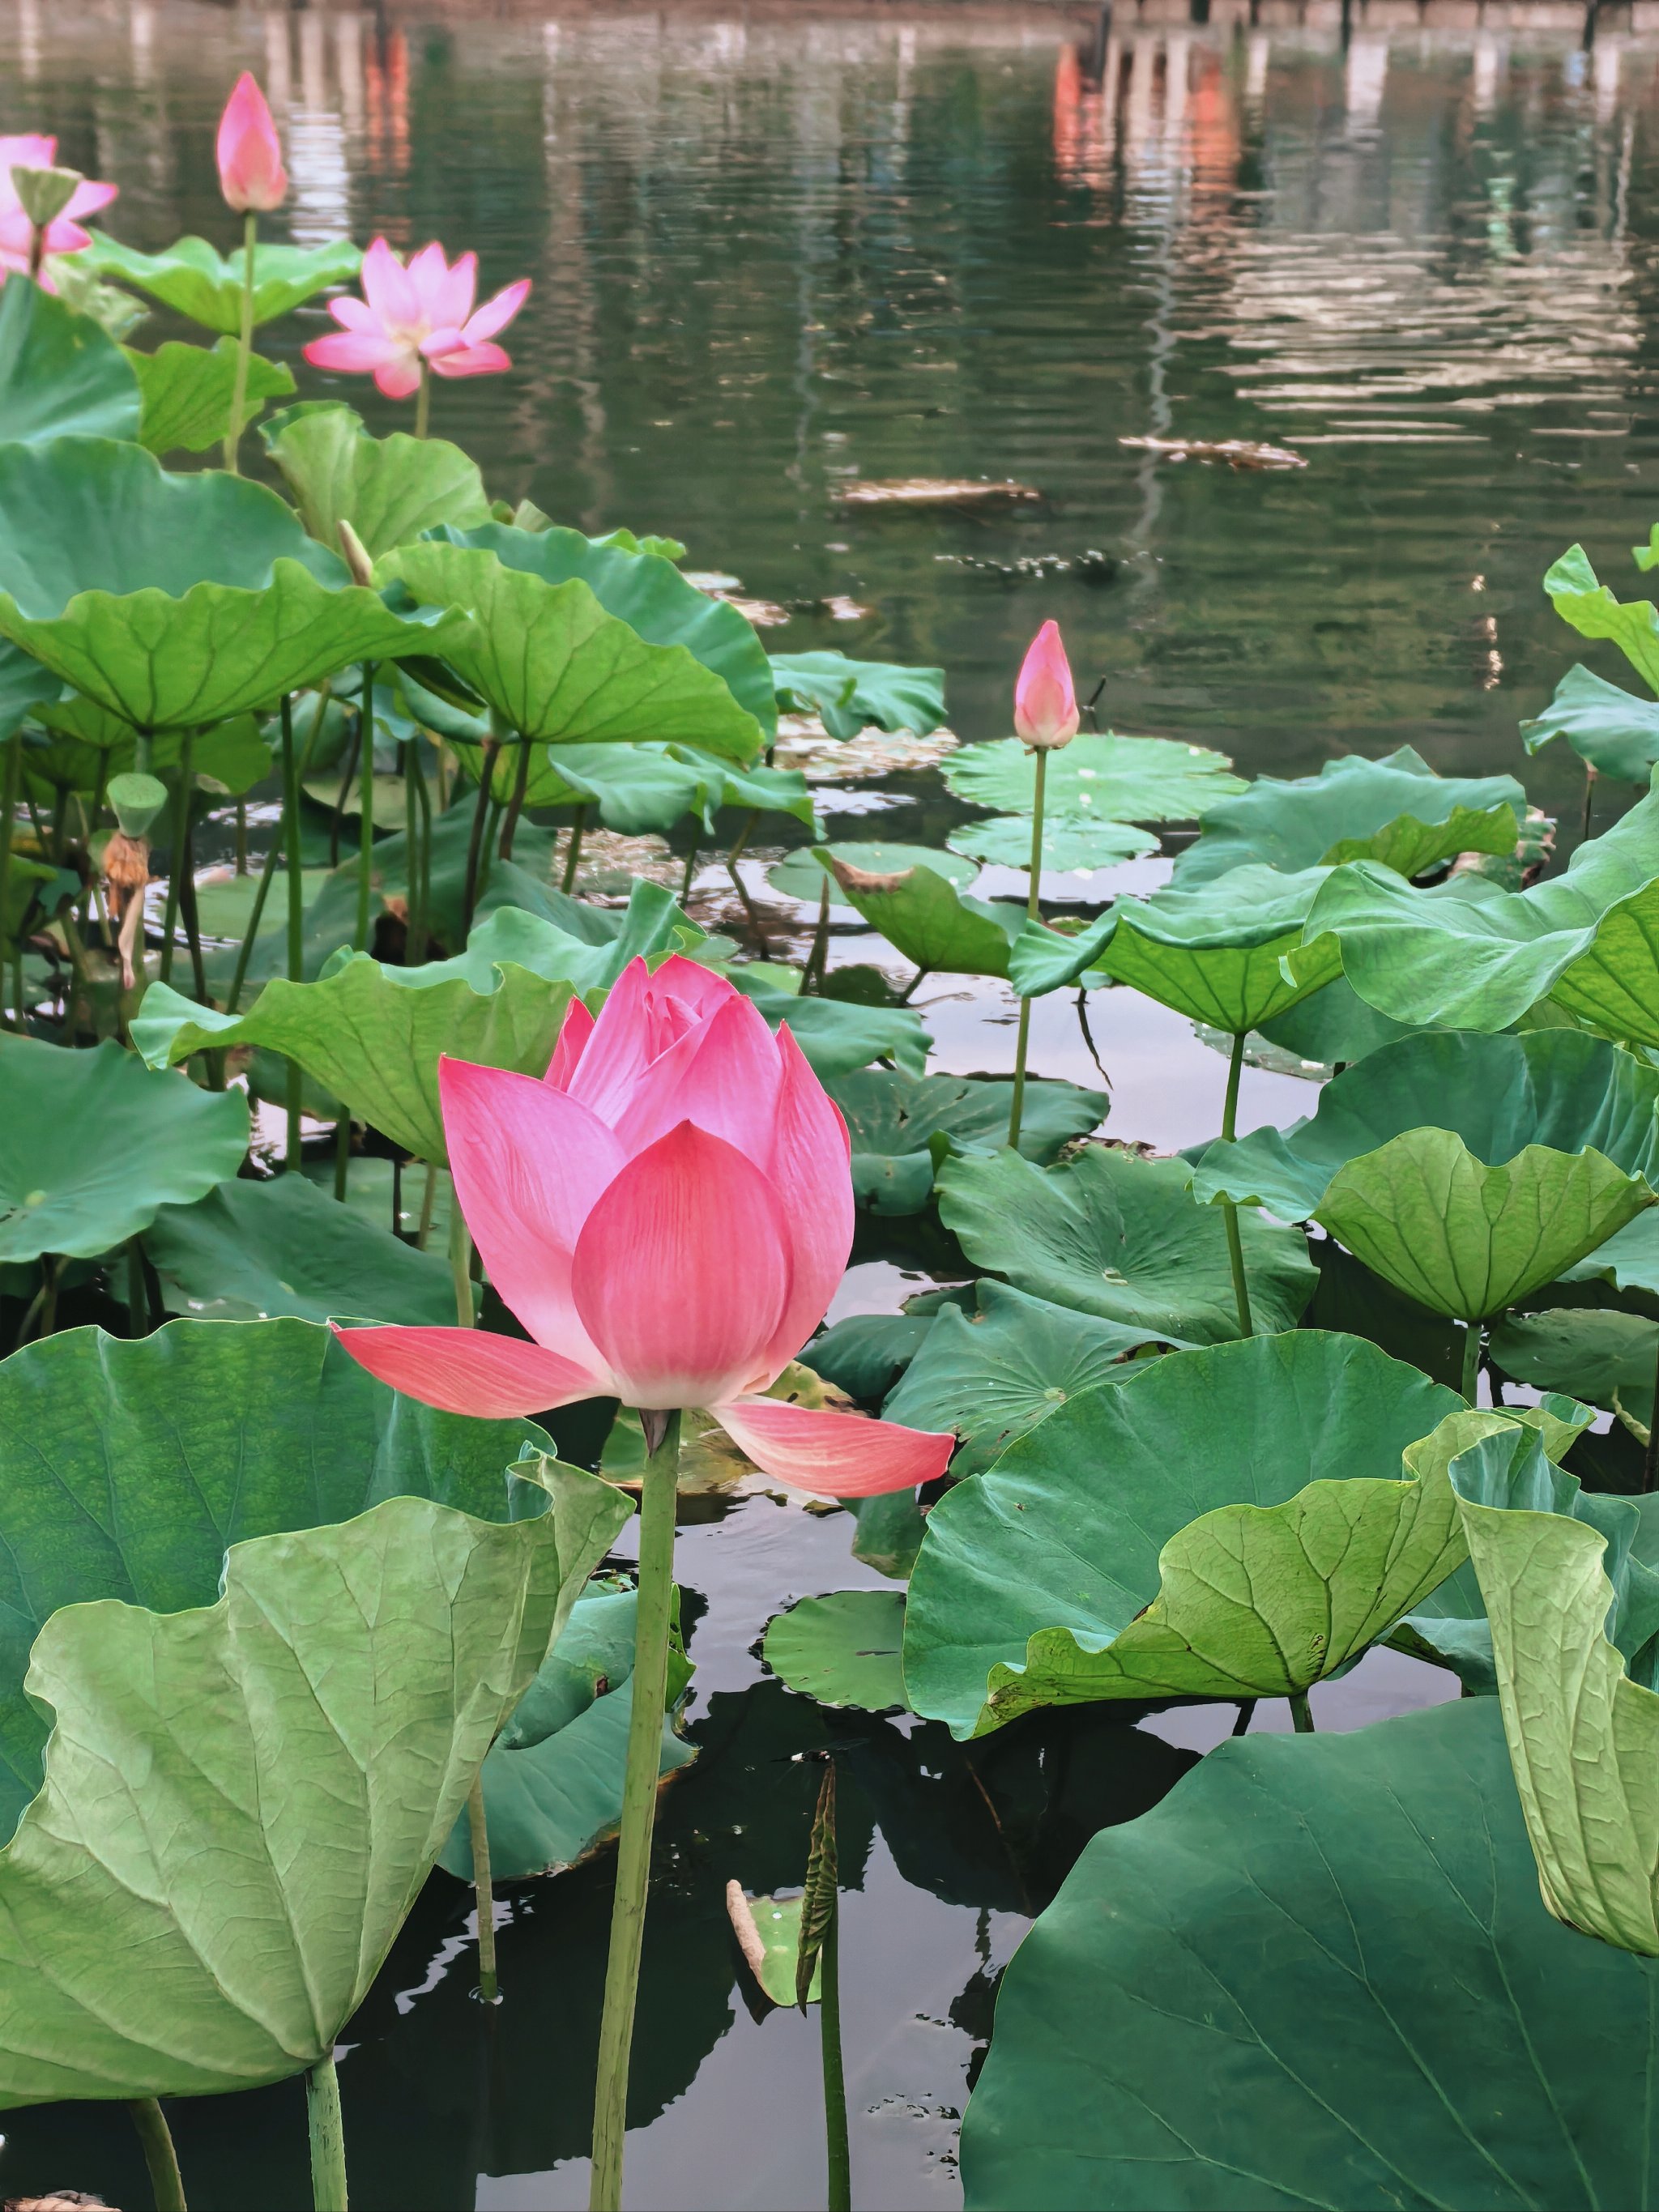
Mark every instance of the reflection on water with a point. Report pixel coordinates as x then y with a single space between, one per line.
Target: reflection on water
775 250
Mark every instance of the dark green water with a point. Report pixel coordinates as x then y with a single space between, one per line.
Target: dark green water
772 253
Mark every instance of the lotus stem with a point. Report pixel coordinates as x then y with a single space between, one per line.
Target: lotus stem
1650 1451
184 873
690 871
659 1494
460 1265
1301 1714
137 1293
423 401
1246 1714
838 2196
166 2184
818 958
342 1156
328 2165
296 955
428 1196
1023 1038
520 785
9 790
1589 803
1230 1211
261 893
365 806
1471 1361
478 1829
241 837
737 883
419 876
475 843
176 859
244 342
573 851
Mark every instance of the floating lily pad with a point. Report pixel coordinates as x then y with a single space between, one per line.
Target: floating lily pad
185 392
208 287
59 374
850 695
389 489
804 874
897 1122
1611 729
924 916
1254 1535
93 1145
1318 1974
1105 777
1122 1237
1068 846
843 1649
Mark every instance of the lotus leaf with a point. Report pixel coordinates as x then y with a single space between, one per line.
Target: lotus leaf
59 372
1256 1535
1215 954
1122 1237
1627 1265
850 695
843 1649
389 489
897 1122
865 1354
1605 1357
300 1749
556 666
1395 810
890 1532
1333 1028
924 916
1103 778
776 1924
992 1376
207 287
1466 1238
250 1250
1614 986
1477 959
24 687
185 392
639 789
836 1035
1499 1094
1612 730
552 1782
1317 1974
93 1145
806 872
1068 846
1591 608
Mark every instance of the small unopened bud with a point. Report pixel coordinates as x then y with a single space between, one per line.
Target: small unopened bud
1045 701
43 194
356 553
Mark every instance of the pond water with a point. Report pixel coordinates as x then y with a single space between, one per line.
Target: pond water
775 253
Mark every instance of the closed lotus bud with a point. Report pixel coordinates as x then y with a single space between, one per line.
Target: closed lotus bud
43 194
356 553
250 172
1045 702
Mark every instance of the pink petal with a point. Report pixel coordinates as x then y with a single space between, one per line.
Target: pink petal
577 1028
387 288
837 1455
400 379
356 352
87 197
65 237
449 292
1045 702
355 314
529 1163
682 1272
495 314
250 154
643 1016
721 1075
470 1371
26 150
471 360
809 1167
16 234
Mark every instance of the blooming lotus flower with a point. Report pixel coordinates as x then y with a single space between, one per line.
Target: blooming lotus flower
668 1213
63 235
1045 703
251 173
422 313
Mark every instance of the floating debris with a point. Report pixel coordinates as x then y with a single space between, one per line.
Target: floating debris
765 614
1089 567
936 491
803 743
1237 453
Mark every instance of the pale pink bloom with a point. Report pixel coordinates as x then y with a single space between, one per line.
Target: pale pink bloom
250 172
64 234
1045 704
668 1212
423 312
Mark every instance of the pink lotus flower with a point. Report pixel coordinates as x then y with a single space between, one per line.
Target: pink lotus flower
250 172
63 235
668 1213
421 313
1045 703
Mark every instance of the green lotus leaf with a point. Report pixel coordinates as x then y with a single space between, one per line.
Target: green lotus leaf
1610 729
850 695
890 1532
251 1250
88 747
59 372
1499 1094
300 1749
926 918
1333 1027
646 592
1478 960
389 489
1614 986
93 1145
1215 954
897 1122
865 1354
1255 1534
1105 777
1593 611
1467 1238
992 1376
776 1924
25 687
805 872
24 878
1317 1974
1602 1355
843 1649
552 1782
1626 1269
556 666
1068 846
1395 810
1122 1237
207 287
185 392
643 788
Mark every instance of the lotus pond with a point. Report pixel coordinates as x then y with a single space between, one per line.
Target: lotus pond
1093 1642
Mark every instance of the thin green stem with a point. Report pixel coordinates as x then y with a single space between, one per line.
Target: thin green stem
137 1293
649 1686
1301 1717
1023 1038
1650 1453
166 2184
1230 1211
1589 803
689 873
9 790
484 1892
475 843
427 1199
176 859
1246 1714
460 1265
244 342
838 2196
262 892
365 806
818 957
296 919
1471 1361
342 1156
328 2164
423 401
185 872
241 837
520 785
573 850
739 844
419 872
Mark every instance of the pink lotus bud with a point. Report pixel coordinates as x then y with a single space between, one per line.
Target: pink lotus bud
1045 703
250 172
